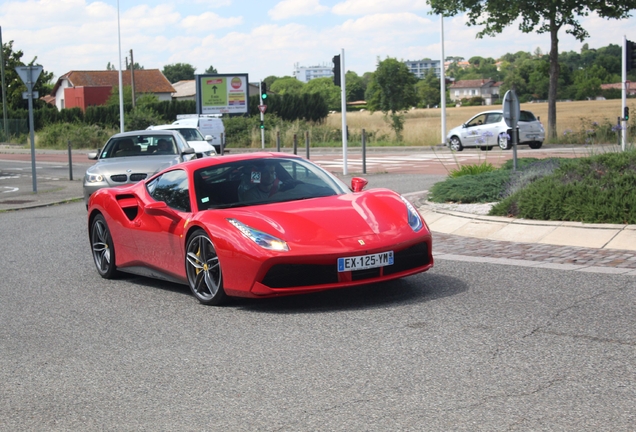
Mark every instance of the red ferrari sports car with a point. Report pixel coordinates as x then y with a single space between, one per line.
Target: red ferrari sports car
256 225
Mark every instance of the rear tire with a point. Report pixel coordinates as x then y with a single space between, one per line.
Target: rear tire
456 144
503 142
535 145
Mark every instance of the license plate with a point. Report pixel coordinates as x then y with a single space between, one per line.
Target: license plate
365 262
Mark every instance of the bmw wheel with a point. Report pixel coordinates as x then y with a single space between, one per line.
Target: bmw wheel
103 248
503 142
204 270
456 144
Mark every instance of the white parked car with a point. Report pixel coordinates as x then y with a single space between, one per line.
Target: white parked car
489 128
200 144
212 128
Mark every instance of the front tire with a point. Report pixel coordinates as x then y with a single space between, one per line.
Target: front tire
456 144
103 248
204 270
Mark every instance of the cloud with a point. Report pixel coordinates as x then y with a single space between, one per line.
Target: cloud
292 8
207 20
364 7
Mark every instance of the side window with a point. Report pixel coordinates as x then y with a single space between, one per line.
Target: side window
172 187
494 118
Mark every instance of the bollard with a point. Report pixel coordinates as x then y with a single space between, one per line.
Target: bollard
278 141
70 161
295 144
307 144
364 151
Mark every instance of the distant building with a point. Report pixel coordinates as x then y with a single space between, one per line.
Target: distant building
420 68
82 89
306 74
466 89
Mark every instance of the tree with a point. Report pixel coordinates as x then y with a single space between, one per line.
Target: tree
428 89
178 72
392 90
327 89
542 16
355 87
287 85
14 85
211 70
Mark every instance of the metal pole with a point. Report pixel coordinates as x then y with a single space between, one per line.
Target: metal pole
70 161
132 78
121 85
442 82
31 127
343 107
624 96
364 151
278 141
295 144
260 93
4 91
222 145
307 144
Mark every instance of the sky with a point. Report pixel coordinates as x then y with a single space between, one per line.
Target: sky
260 38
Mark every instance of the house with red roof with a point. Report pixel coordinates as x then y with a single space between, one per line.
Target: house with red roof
91 88
466 89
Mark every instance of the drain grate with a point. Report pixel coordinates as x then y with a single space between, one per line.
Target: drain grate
16 202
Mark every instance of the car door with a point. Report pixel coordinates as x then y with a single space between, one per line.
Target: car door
494 126
160 241
473 130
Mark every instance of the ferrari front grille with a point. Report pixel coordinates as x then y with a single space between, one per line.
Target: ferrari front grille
297 275
119 178
138 177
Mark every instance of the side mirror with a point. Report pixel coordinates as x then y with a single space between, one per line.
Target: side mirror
160 208
208 138
93 155
189 150
358 183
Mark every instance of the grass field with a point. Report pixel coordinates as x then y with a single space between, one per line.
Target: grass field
423 126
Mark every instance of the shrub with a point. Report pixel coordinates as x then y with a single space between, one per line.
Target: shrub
474 169
57 136
482 188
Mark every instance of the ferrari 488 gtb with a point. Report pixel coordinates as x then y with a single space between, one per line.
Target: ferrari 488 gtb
256 225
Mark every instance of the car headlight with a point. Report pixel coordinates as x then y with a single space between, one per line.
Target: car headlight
415 221
262 239
94 178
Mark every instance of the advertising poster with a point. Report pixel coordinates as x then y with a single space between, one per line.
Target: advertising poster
222 94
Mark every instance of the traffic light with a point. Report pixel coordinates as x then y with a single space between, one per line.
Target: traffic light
336 70
630 47
262 125
263 91
626 114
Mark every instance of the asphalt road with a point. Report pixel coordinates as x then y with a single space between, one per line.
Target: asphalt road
465 346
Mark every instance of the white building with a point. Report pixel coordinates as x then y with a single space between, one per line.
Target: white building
420 68
306 74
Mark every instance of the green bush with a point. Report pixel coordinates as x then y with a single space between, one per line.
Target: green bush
480 188
57 136
473 169
597 189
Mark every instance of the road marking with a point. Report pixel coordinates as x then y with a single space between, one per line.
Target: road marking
11 189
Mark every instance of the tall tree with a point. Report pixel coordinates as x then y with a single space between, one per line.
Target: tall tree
178 72
392 90
14 85
211 70
542 16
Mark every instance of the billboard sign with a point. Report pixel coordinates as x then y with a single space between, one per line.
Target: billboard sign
222 94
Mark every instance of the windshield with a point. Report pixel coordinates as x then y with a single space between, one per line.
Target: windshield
191 134
140 145
262 181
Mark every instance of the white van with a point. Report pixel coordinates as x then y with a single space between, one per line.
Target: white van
211 128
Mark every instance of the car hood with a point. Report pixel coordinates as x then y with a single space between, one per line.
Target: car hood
134 164
357 216
201 146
